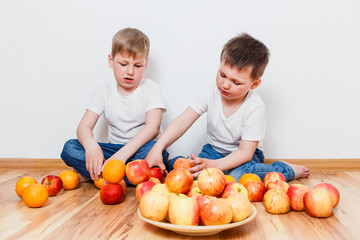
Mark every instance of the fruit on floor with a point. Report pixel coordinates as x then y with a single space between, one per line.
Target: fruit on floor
22 183
111 193
53 184
249 177
114 171
99 183
70 179
35 195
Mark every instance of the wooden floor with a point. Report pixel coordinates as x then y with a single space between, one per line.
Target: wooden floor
79 213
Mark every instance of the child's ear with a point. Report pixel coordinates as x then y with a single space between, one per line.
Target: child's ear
256 83
110 60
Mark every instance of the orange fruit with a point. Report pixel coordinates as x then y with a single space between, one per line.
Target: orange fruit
70 179
229 178
114 171
35 195
22 183
248 177
99 183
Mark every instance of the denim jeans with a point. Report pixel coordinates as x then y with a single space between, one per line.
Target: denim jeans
255 165
73 155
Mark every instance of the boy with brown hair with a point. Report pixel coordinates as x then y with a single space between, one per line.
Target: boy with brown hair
132 107
235 117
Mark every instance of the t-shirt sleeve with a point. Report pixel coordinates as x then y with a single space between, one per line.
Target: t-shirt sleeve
254 124
154 98
97 100
200 105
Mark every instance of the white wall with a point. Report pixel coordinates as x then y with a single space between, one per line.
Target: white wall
53 54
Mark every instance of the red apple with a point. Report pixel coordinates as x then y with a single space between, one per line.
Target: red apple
233 187
296 193
155 172
111 193
53 184
194 192
183 163
179 180
282 185
276 201
142 188
137 171
211 181
240 206
216 212
184 210
154 206
204 199
273 176
332 190
318 203
256 190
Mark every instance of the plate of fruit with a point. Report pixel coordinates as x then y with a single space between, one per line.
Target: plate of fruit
200 230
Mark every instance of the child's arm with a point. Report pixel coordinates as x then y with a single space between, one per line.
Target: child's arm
146 134
93 154
244 154
173 132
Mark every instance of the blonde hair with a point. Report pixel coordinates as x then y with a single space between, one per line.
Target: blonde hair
131 42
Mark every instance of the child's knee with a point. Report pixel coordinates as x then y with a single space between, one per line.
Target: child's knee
68 148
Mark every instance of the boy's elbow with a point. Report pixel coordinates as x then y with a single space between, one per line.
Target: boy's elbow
156 132
153 130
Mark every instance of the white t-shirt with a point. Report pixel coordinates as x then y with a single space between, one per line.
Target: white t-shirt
125 115
224 134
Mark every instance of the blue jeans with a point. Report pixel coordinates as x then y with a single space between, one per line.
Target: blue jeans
73 155
255 165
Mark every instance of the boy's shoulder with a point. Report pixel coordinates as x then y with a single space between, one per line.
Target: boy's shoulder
253 101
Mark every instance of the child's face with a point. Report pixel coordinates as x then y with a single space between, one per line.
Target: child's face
128 71
234 84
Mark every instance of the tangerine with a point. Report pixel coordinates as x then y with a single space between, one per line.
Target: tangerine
70 179
114 171
249 177
99 183
22 183
229 178
35 195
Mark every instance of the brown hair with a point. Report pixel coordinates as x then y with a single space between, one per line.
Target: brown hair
130 41
245 52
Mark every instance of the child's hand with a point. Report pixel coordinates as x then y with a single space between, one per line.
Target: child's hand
201 163
155 159
94 162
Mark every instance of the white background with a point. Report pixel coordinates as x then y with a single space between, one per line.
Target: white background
53 54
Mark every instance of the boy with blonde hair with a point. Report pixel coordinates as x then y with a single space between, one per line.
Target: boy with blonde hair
235 117
132 107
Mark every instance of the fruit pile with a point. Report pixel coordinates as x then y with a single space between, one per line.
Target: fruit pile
215 198
209 200
138 173
279 197
212 199
35 194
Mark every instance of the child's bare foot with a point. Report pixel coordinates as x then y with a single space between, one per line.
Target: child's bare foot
300 171
82 178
